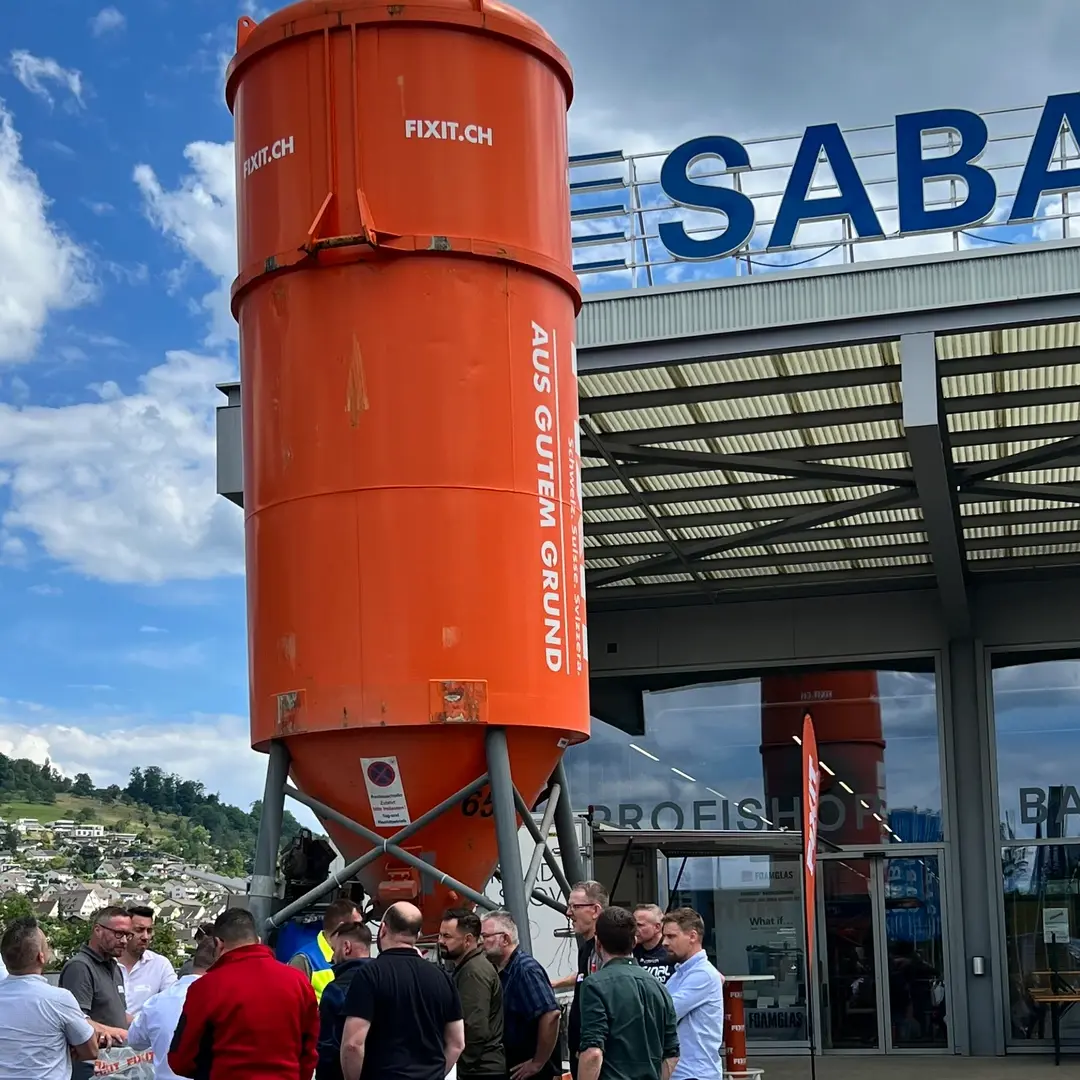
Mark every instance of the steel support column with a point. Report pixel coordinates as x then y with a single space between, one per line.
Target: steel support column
931 458
506 832
566 832
972 810
264 871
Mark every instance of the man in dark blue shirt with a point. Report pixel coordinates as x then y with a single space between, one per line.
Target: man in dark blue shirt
530 1011
351 942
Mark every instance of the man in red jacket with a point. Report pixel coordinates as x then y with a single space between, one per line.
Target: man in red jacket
249 1017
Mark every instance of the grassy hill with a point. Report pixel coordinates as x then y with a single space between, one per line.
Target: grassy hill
102 813
182 818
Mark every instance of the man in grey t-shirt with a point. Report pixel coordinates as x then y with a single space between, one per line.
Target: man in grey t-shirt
93 977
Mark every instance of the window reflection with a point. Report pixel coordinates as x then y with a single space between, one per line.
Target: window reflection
1037 725
753 912
721 755
1041 886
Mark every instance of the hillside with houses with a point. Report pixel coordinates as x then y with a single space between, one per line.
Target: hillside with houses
68 848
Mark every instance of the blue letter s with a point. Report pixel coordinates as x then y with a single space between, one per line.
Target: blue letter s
680 189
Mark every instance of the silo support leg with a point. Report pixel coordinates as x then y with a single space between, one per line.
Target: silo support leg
541 838
541 848
566 831
347 873
264 871
387 846
506 831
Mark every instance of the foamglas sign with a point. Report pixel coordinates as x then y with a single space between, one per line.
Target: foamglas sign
913 172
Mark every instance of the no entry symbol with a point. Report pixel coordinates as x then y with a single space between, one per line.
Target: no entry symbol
381 773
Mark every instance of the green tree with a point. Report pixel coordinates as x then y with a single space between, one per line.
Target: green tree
14 906
9 838
83 785
84 815
165 943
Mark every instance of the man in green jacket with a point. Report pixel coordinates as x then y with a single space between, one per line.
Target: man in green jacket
628 1026
480 991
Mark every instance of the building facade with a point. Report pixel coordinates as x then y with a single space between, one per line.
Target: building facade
852 490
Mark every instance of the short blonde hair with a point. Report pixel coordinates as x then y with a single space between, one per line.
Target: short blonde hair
594 892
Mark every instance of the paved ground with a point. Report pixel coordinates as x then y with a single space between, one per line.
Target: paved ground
922 1067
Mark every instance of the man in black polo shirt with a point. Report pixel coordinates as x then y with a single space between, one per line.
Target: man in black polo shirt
403 1013
93 976
587 900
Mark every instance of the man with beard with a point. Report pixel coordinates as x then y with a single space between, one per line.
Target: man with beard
352 949
93 977
480 991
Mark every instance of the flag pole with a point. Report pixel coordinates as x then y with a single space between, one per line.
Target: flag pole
811 781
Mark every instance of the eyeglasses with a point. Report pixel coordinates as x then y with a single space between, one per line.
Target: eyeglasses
588 903
493 934
122 934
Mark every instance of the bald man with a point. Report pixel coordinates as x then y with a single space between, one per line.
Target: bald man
403 1013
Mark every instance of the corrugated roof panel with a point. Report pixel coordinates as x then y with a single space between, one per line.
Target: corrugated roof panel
698 506
616 513
1025 552
600 384
592 489
646 536
1022 528
1005 417
1068 475
872 461
1040 378
853 433
601 564
1012 340
903 560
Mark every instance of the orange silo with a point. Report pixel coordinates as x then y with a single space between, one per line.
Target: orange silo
406 304
847 721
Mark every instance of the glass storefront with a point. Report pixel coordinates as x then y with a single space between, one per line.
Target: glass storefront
721 755
753 912
1037 730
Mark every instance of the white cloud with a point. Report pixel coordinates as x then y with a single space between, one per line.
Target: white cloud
173 658
41 269
123 488
214 749
45 590
35 72
200 216
106 20
152 630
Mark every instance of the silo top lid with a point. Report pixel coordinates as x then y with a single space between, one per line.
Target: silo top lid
313 16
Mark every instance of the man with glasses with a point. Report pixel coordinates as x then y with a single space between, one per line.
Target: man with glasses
530 1012
587 900
93 977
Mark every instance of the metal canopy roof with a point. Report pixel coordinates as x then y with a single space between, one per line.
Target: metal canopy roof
920 459
905 424
677 843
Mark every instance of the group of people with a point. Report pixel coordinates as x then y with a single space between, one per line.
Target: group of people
647 1003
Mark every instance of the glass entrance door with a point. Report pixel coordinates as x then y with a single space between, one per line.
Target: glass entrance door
882 966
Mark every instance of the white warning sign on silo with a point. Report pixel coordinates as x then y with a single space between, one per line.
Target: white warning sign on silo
382 778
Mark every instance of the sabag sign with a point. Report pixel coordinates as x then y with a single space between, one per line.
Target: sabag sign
914 171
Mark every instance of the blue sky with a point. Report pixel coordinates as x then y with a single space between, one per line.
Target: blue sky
122 641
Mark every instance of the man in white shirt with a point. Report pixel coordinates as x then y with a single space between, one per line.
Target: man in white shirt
145 972
155 1025
41 1026
697 989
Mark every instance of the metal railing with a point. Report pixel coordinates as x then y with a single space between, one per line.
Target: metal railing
617 205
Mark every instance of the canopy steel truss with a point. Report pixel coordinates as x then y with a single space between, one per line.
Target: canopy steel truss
920 460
